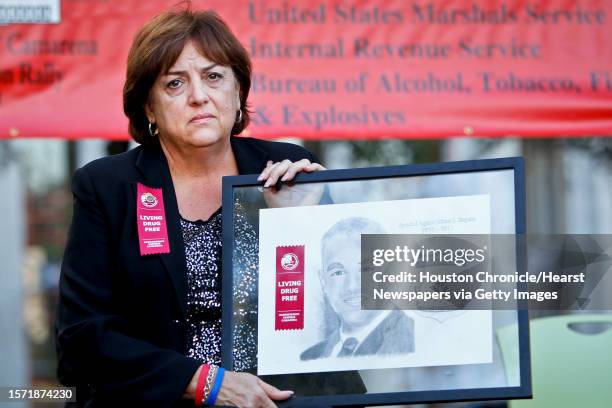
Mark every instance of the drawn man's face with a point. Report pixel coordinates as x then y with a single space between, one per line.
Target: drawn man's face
341 279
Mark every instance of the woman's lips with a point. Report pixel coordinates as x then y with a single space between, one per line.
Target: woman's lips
203 118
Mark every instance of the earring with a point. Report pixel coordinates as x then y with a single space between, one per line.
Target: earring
151 132
239 116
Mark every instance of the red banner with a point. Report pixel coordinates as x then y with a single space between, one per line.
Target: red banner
335 69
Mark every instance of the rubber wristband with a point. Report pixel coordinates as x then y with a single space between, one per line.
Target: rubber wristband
213 394
199 391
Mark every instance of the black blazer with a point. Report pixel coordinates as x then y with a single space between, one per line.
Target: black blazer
121 321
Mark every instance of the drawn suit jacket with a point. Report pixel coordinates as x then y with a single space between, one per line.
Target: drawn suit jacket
395 334
121 335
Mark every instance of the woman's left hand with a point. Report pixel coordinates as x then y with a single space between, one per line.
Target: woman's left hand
291 195
286 170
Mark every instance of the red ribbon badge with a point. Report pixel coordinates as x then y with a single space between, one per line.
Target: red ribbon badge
289 287
151 219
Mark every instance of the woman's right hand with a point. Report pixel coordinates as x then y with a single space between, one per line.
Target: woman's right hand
246 390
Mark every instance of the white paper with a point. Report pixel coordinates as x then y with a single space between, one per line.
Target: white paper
439 338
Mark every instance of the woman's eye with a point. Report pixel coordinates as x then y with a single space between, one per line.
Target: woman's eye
175 83
214 76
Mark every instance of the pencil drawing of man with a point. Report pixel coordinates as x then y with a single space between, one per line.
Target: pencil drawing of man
349 330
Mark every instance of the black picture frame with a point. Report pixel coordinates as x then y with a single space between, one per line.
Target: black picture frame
515 164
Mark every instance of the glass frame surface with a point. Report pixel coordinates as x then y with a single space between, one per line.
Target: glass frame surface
514 164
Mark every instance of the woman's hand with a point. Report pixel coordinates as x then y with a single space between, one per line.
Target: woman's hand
245 390
290 195
286 170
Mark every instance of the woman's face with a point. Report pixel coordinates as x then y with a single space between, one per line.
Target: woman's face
195 103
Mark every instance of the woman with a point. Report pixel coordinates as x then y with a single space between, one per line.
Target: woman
139 323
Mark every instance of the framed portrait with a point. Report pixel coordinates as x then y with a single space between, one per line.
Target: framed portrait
292 301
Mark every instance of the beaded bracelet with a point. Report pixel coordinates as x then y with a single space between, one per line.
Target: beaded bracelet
199 391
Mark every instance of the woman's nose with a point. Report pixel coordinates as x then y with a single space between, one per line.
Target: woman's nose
198 93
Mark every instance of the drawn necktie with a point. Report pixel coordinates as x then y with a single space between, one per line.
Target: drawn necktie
348 347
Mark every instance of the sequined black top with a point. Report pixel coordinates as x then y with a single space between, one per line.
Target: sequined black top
203 246
203 254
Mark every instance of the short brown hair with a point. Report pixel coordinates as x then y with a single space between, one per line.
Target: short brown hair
158 45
